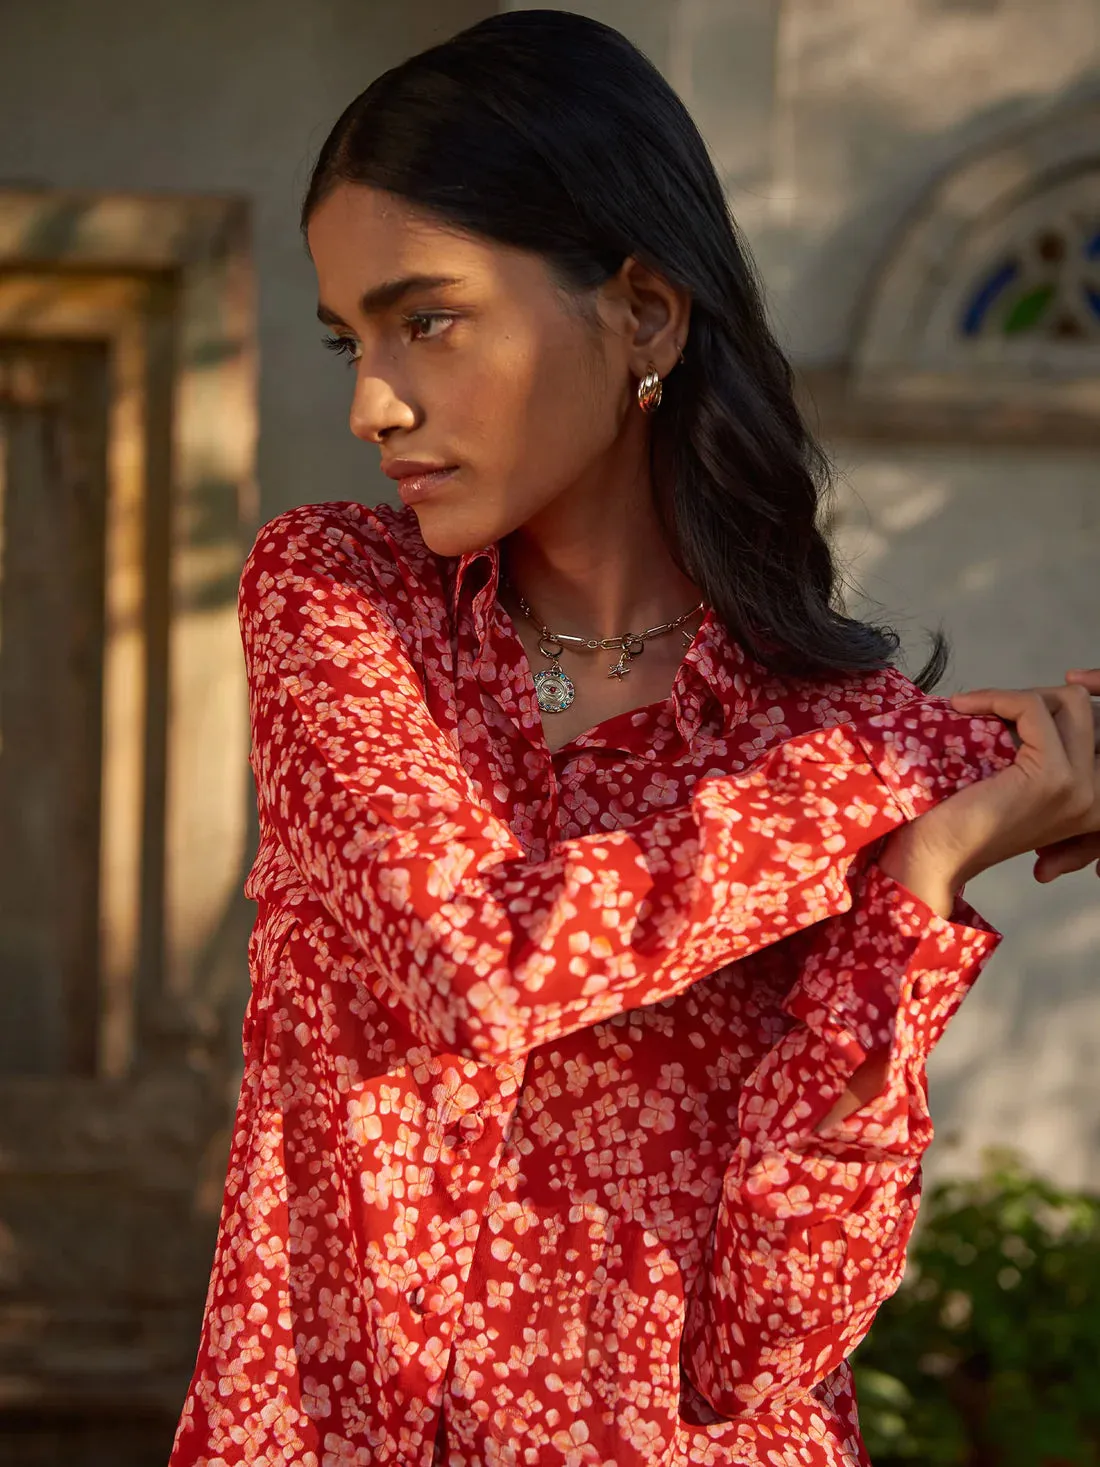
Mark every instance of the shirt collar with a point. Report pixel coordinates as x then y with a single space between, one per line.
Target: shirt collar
716 688
477 576
489 555
717 685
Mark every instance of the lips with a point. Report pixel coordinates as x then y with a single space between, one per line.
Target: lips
417 486
417 478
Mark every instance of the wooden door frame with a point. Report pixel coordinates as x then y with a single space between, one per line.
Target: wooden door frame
167 283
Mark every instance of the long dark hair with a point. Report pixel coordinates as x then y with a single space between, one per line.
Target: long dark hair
550 132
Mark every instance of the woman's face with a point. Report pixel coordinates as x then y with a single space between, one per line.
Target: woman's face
473 359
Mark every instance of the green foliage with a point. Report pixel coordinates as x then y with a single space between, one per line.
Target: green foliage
989 1354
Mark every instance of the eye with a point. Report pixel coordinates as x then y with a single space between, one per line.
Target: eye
420 324
344 346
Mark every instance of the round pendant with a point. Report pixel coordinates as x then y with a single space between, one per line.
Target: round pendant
554 691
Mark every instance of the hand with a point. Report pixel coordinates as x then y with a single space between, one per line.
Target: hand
1082 850
1047 797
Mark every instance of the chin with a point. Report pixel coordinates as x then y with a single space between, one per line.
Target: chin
446 535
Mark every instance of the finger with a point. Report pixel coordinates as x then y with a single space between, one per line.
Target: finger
1052 698
1088 677
1050 868
1064 856
1073 719
1087 846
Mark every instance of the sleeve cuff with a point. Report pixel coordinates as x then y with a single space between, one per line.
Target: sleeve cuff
891 955
888 979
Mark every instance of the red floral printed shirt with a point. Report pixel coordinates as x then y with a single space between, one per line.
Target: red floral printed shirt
527 1165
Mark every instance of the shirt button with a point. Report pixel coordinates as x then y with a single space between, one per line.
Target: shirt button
416 1301
465 1135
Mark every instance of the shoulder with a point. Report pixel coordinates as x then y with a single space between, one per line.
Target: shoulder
376 547
345 559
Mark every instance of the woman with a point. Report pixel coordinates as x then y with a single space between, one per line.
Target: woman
609 877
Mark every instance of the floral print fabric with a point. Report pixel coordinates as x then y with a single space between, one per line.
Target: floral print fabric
528 1165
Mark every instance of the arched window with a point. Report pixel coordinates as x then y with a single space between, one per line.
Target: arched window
995 279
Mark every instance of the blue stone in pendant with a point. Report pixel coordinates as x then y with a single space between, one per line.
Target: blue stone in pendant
554 691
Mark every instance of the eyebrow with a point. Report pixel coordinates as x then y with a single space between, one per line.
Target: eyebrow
383 297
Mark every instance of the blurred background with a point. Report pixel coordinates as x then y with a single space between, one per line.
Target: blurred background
920 183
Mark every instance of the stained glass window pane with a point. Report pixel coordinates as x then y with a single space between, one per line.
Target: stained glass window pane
1028 310
987 295
1048 287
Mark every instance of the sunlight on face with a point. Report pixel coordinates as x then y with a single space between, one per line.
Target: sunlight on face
491 369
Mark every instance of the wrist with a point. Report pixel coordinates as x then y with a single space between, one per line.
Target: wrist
929 874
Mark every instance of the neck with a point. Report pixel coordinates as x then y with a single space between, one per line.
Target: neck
596 562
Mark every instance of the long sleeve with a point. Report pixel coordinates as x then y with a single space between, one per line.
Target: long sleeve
813 1226
489 953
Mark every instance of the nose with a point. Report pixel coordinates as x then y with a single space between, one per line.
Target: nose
377 408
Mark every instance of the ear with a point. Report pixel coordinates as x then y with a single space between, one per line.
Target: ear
650 315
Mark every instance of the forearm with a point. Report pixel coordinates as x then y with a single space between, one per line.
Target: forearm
917 866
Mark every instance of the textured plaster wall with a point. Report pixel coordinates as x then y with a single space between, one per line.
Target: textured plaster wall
828 118
878 100
211 97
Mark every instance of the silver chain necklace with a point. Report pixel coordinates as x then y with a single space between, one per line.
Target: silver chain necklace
554 688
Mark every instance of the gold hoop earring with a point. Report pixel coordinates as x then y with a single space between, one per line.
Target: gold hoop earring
649 390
